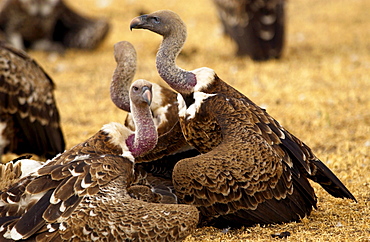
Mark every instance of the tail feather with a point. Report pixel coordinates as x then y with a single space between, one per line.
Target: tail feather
326 178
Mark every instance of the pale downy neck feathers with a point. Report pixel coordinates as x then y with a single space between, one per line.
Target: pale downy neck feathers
179 79
125 56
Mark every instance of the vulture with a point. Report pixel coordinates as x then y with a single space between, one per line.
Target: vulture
251 170
83 194
29 118
49 25
256 26
171 145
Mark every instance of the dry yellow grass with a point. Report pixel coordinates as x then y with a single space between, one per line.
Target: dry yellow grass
319 91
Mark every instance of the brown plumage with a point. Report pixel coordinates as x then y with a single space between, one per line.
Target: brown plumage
49 25
82 195
251 170
256 26
29 118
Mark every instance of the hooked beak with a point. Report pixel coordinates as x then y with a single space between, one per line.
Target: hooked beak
147 95
138 22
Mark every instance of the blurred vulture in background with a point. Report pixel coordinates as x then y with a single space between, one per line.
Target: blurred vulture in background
29 119
257 26
48 25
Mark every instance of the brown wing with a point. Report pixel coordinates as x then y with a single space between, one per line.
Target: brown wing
98 144
27 106
245 179
77 205
56 191
256 26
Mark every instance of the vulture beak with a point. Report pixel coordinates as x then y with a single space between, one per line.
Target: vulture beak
147 94
138 22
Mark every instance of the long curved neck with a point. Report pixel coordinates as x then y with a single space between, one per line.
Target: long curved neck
121 81
145 137
179 79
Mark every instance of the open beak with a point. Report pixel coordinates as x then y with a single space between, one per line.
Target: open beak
147 95
138 22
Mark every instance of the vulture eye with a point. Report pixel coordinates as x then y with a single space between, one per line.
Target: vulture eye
135 88
156 20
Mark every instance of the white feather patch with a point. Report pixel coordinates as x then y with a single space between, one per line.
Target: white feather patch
8 199
50 228
13 234
81 157
118 134
85 231
73 172
21 100
181 105
91 205
94 238
157 106
62 207
128 155
28 166
85 185
199 97
282 135
92 214
160 115
157 92
205 76
53 199
62 227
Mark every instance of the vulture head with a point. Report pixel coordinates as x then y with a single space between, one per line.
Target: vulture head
163 22
141 92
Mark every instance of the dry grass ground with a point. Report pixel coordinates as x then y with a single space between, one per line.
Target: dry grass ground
319 91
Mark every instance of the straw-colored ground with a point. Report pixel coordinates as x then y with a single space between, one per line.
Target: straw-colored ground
319 91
